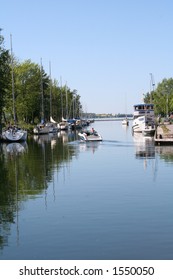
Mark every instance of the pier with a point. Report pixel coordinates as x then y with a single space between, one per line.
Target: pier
164 134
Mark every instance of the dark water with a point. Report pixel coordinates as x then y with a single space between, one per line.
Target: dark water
62 199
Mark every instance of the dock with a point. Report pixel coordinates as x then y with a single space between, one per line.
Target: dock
164 134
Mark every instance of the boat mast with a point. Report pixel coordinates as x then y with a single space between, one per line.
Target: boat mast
50 89
12 77
66 101
62 112
152 84
42 104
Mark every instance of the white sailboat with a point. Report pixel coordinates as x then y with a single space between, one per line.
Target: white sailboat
13 133
125 121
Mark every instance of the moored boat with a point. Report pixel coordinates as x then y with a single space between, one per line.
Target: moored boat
148 130
63 125
14 134
143 117
53 127
41 129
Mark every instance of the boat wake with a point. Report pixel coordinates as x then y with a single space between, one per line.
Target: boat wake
117 143
108 143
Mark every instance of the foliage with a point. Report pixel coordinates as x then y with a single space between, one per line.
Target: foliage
36 95
5 76
162 97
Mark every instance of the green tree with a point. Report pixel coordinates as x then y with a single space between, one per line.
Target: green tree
162 97
5 78
27 84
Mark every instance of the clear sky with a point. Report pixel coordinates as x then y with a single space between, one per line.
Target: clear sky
105 49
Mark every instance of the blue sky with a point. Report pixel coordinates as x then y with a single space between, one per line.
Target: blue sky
105 49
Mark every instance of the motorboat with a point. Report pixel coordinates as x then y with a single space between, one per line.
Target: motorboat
143 117
14 134
89 135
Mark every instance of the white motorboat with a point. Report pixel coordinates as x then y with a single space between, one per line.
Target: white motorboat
14 134
90 135
143 117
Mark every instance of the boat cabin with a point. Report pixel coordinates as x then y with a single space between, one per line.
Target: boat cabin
143 109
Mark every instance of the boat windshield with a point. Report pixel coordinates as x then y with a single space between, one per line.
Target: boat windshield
140 107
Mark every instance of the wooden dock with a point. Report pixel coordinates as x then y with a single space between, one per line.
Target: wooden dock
164 134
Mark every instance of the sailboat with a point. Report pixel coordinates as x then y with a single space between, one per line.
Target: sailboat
52 124
41 128
63 124
13 133
125 121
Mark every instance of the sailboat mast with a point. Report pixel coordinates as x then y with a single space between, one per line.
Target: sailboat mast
50 89
66 101
62 111
152 84
12 77
42 104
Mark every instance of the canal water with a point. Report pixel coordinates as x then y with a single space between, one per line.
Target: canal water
63 199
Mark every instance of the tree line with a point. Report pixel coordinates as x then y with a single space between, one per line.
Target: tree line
162 97
36 94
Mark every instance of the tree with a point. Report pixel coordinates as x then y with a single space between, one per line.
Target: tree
27 84
5 78
162 97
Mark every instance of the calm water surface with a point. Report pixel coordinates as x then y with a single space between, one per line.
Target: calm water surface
62 199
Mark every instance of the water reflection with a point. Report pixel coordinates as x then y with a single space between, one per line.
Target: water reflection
145 147
14 148
88 146
145 150
26 170
165 153
89 199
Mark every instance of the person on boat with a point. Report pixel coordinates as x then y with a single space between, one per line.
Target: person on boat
9 125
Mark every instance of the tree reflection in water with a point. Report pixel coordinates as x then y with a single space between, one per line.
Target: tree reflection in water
25 171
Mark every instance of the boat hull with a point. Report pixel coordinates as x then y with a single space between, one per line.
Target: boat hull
11 135
125 122
149 131
89 137
40 129
144 124
63 125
